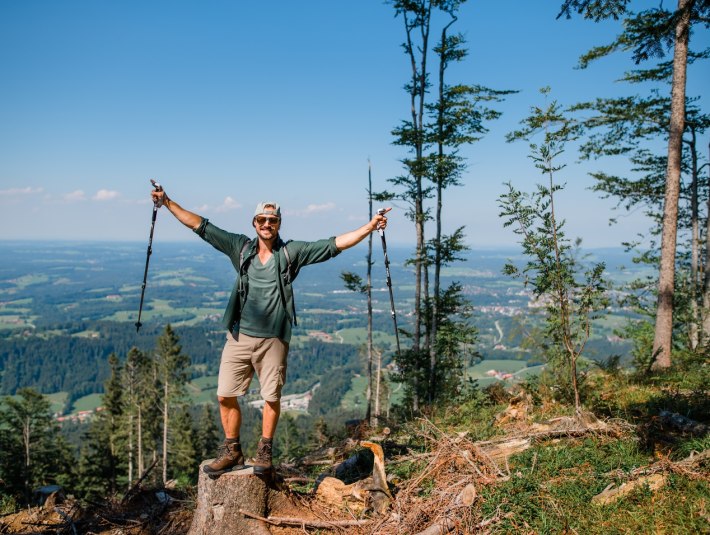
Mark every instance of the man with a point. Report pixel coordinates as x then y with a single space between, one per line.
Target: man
259 317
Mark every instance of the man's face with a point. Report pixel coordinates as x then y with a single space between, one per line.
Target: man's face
267 226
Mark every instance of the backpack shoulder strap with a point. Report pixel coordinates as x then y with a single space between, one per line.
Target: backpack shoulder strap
288 279
289 274
241 253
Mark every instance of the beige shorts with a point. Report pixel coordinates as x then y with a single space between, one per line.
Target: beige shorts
241 358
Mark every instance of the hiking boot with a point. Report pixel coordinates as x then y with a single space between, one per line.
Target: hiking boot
229 457
262 461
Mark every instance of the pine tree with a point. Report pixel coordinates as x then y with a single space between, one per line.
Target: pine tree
575 295
31 454
137 389
647 34
172 368
434 134
102 461
207 434
183 447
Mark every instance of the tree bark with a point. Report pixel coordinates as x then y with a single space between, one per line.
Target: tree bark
219 502
706 277
666 280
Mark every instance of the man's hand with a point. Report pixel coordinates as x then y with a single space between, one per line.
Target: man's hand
187 218
159 196
380 221
349 239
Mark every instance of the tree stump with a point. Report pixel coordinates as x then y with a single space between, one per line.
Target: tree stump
219 502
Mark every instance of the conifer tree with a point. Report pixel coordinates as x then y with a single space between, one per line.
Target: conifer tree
172 368
207 436
574 294
433 136
183 447
354 283
647 34
31 454
101 467
138 391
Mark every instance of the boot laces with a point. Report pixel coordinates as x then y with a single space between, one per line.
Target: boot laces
264 452
225 451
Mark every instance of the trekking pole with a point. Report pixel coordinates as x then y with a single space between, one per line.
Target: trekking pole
382 211
157 187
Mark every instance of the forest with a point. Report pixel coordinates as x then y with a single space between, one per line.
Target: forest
603 411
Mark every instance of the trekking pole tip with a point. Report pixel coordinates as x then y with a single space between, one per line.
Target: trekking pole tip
138 326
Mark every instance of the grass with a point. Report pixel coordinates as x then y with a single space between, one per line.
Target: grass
57 401
160 308
358 336
552 485
549 488
356 397
87 403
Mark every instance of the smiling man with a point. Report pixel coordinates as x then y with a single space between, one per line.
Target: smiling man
259 317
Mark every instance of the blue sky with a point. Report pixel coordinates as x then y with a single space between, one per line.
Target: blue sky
228 103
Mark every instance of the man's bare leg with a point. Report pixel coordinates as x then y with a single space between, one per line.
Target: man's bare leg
231 416
230 455
272 410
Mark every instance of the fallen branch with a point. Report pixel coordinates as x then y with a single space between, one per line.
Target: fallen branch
129 493
611 495
304 522
67 519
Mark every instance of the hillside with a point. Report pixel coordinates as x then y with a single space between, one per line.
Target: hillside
498 462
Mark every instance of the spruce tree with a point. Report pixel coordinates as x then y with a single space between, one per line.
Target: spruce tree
31 454
172 369
647 34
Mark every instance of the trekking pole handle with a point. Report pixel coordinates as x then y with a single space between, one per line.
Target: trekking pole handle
381 211
157 187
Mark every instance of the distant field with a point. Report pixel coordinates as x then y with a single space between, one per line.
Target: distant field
57 401
12 321
160 308
88 403
517 367
358 336
356 397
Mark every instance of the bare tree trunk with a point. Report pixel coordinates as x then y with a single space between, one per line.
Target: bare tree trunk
26 435
695 246
666 280
130 450
706 278
377 385
372 417
141 466
165 432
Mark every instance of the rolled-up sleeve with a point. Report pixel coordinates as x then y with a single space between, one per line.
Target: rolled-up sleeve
316 251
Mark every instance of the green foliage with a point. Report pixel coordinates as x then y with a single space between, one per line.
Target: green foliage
573 294
207 434
30 454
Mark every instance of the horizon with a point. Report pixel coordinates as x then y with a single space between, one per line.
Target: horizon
232 103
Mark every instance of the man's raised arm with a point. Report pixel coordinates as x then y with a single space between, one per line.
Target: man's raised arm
187 218
349 239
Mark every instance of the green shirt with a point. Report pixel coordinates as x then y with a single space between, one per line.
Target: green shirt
301 253
263 313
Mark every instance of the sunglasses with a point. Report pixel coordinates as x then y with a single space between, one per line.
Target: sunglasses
261 220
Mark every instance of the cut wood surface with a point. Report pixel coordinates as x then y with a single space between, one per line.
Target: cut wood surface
220 503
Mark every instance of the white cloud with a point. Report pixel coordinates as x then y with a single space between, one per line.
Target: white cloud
105 195
228 205
313 209
14 192
77 195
